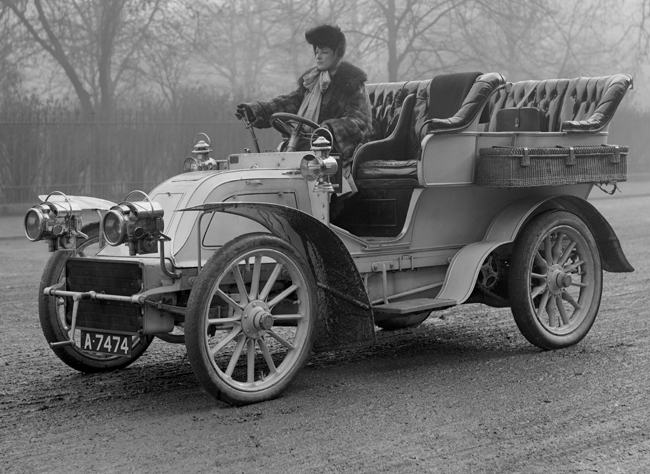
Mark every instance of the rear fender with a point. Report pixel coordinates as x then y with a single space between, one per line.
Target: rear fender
344 312
464 268
507 225
611 253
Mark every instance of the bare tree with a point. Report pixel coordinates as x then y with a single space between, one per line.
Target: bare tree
551 38
640 21
10 73
638 18
233 41
108 49
527 38
258 46
296 17
94 42
168 54
400 29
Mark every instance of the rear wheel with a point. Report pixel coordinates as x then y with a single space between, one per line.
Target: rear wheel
55 314
250 319
555 280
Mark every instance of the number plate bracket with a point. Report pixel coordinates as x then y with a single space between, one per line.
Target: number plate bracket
114 344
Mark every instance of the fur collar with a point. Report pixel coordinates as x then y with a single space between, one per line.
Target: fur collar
347 77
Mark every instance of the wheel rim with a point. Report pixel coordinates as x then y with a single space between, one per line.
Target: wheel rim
562 280
63 309
258 321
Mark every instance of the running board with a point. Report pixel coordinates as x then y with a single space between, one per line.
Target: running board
410 306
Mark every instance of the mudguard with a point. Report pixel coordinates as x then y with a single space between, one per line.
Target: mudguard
611 252
344 312
84 202
466 264
507 225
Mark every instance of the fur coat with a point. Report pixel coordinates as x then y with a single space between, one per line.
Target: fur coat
345 109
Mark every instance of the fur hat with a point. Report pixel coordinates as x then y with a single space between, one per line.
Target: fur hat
327 36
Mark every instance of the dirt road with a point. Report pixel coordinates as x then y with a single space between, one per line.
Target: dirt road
464 392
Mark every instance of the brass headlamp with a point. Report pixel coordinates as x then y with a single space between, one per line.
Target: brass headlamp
137 223
57 221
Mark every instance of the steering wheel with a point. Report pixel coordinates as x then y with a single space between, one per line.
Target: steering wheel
291 125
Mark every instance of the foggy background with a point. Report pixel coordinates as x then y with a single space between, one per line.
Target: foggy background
99 97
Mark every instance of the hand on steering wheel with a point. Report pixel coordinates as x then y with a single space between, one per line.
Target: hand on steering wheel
281 121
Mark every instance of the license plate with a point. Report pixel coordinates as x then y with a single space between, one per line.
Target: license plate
115 344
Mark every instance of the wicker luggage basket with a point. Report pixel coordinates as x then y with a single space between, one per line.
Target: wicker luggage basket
516 167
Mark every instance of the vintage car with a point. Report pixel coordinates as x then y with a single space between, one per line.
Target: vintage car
473 191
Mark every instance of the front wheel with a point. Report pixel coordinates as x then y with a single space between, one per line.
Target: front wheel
55 314
555 281
250 319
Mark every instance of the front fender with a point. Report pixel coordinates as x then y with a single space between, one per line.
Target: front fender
344 312
85 203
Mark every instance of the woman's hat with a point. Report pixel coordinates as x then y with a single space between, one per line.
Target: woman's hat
327 36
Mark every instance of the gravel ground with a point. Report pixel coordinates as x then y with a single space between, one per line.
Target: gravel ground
463 392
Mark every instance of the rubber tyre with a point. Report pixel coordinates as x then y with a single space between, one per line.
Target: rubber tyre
53 323
172 338
555 298
222 374
403 322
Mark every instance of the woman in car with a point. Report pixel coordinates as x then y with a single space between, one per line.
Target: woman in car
332 94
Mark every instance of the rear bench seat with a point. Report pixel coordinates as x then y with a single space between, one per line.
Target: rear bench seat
404 112
583 104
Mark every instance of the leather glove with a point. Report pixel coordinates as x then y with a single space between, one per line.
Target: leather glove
245 111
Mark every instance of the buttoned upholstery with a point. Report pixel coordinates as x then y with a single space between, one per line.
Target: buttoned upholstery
546 95
392 113
404 112
590 102
387 99
583 104
477 90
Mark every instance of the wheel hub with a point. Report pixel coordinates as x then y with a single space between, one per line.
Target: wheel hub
557 279
256 319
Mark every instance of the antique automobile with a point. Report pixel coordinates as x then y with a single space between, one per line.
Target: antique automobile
473 191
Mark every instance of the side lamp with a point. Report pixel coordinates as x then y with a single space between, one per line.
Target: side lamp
318 165
201 161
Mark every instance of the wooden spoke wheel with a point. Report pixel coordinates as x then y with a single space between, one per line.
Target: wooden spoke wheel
250 319
555 280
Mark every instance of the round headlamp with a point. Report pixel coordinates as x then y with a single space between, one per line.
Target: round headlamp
58 221
35 224
114 226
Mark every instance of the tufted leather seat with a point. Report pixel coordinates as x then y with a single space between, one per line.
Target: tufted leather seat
590 102
583 104
404 112
386 156
387 100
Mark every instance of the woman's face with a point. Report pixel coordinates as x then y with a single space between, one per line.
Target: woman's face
324 58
